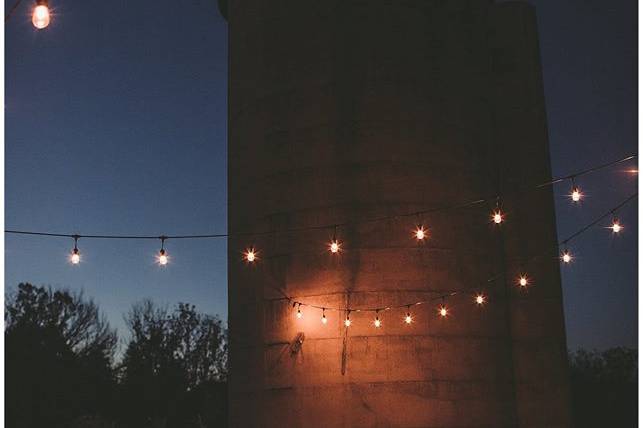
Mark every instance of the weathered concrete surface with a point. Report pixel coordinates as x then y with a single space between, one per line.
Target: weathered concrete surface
346 110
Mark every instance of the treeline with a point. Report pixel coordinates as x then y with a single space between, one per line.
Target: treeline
604 388
61 368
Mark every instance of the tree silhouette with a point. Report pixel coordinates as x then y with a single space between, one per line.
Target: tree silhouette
604 388
58 358
174 362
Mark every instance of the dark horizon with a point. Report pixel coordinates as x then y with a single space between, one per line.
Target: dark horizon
120 126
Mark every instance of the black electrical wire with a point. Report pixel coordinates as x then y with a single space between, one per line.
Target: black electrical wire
326 226
449 293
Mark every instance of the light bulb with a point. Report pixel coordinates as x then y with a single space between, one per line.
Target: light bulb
480 299
377 322
497 217
299 314
420 233
616 226
41 17
334 246
347 322
443 311
523 281
324 320
163 259
75 256
250 255
566 256
408 318
576 194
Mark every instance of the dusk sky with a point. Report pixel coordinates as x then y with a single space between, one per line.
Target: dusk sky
116 124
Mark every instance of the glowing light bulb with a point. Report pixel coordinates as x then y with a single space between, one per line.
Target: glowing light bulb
377 322
324 320
334 246
443 311
75 256
41 17
408 318
566 256
497 217
250 255
523 281
616 226
420 233
299 314
576 194
480 299
347 322
163 259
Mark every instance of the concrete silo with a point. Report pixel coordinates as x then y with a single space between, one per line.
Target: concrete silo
345 111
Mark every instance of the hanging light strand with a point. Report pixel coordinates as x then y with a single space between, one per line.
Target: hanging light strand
442 295
336 225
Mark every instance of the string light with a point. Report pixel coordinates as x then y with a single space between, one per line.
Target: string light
250 255
443 311
408 318
566 256
334 246
377 323
497 215
420 233
41 17
162 257
74 258
299 314
576 193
